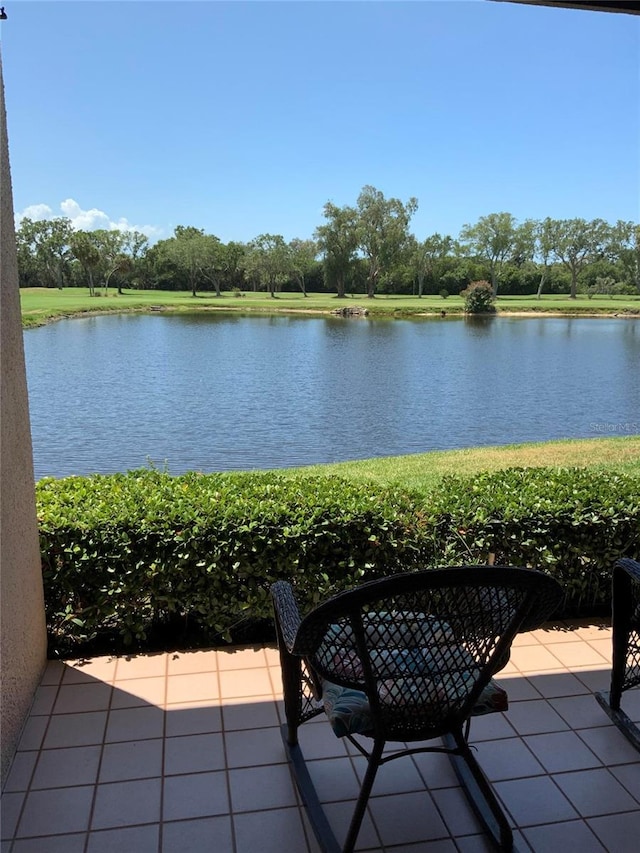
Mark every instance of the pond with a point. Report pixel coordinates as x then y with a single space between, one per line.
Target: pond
224 392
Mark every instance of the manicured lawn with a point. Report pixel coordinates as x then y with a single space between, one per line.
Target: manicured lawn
422 471
41 305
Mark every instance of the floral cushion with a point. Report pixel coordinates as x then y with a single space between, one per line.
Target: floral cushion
349 712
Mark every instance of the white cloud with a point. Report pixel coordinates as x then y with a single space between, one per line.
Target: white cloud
87 220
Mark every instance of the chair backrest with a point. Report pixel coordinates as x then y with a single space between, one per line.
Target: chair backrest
422 646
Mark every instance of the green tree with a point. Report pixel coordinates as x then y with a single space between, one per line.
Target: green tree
44 245
577 242
382 228
494 239
426 258
302 255
85 249
338 243
268 261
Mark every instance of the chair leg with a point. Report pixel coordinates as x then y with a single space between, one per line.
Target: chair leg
478 791
363 797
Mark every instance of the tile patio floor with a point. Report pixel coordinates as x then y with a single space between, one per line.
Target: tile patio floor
180 752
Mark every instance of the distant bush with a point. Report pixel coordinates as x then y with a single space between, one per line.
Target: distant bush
444 293
127 556
478 298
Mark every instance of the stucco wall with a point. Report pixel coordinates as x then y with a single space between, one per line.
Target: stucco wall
22 626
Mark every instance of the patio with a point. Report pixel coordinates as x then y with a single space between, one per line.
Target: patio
182 752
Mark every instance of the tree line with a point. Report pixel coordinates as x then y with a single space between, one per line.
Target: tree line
365 248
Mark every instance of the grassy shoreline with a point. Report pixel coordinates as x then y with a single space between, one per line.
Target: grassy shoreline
423 471
41 306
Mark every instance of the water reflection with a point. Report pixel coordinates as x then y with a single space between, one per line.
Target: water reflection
229 392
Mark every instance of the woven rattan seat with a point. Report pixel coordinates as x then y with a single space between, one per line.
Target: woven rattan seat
625 670
406 659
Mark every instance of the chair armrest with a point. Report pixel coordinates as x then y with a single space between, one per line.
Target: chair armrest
286 612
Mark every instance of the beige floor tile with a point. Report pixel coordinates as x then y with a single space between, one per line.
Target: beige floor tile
53 672
87 671
482 844
61 768
457 813
192 688
396 777
629 776
272 655
245 683
579 712
603 647
556 632
595 792
21 771
507 759
558 683
10 807
334 779
136 692
127 803
56 811
195 836
532 659
256 788
193 718
492 726
196 795
129 724
241 658
265 831
529 638
75 729
572 837
518 687
577 654
320 742
249 714
192 662
420 818
535 717
610 745
141 666
276 681
51 844
141 839
561 751
255 748
595 630
436 770
77 698
442 845
594 678
618 833
535 801
339 816
44 700
193 754
138 759
33 733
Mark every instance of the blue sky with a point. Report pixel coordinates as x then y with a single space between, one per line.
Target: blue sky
246 117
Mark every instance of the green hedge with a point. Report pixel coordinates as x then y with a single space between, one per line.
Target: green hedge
125 553
573 523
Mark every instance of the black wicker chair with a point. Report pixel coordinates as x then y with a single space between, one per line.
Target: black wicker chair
625 670
407 658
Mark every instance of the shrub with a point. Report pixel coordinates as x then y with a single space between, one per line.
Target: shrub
127 553
479 298
444 293
570 522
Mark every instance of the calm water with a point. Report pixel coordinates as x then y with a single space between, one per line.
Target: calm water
220 393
